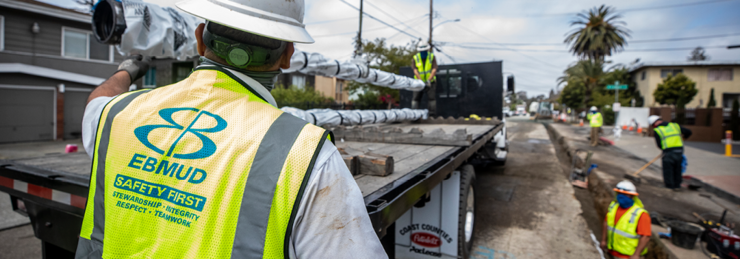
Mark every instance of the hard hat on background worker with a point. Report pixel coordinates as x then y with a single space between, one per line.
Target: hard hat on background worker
652 119
593 108
423 46
626 187
262 17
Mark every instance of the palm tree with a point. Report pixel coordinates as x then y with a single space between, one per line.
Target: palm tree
588 73
599 33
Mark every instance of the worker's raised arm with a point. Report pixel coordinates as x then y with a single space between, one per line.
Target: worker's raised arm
131 69
686 133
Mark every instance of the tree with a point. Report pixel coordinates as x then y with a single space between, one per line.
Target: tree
599 33
572 96
587 73
306 98
675 90
385 57
698 55
712 103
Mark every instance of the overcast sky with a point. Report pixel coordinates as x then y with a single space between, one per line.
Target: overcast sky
526 35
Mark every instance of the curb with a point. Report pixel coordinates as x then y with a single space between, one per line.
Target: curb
714 190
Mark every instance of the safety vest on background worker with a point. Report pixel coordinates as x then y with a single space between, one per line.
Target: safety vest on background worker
670 135
425 68
623 237
595 119
204 168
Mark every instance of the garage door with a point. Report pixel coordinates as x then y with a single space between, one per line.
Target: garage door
74 109
26 115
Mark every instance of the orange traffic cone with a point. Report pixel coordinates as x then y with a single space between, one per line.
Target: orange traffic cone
632 128
639 130
581 123
624 127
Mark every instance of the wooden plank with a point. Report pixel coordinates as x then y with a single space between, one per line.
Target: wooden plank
373 164
351 162
456 136
406 158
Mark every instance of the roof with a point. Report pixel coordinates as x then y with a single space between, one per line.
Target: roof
47 9
638 66
49 73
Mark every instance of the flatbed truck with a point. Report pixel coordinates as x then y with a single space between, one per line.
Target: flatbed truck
425 208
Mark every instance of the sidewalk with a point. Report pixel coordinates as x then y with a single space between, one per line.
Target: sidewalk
614 162
712 168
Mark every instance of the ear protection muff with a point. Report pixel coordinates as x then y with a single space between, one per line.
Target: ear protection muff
238 54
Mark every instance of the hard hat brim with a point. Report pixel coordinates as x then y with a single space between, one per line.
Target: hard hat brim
625 192
273 26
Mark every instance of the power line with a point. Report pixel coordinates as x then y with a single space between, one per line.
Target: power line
394 18
634 41
687 38
565 51
630 9
381 21
510 49
350 32
328 21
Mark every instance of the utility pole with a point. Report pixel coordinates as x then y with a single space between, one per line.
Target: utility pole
358 43
431 17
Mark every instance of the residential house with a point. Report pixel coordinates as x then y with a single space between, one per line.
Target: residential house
49 63
722 76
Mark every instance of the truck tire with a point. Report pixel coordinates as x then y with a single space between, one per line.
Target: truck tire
466 219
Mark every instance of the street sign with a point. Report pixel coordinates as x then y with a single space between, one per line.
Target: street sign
616 86
616 107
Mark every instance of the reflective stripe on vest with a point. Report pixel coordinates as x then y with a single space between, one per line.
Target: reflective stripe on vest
623 237
426 68
596 120
670 135
200 169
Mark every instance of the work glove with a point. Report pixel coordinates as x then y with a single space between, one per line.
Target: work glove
136 66
427 86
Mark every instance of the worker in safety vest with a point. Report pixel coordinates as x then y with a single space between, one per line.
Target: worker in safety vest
626 231
669 137
209 167
425 69
595 120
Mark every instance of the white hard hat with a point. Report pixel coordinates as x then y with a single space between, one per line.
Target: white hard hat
626 187
593 108
280 21
653 118
423 46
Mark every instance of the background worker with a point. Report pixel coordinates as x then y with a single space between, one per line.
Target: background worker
261 183
595 120
626 231
425 69
669 137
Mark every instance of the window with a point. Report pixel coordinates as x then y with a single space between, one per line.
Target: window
83 45
642 76
2 32
455 86
150 79
338 90
299 81
720 74
664 72
181 70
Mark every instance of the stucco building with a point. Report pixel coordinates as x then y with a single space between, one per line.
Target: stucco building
723 76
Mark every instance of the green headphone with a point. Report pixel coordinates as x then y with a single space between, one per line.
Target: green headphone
241 55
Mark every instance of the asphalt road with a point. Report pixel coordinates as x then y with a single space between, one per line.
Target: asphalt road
527 208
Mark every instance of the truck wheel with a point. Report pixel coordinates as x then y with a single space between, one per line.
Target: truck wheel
466 219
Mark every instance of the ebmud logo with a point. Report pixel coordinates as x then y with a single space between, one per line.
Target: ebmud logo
208 148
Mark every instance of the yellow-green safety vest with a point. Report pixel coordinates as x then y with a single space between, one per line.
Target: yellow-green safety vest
623 237
595 120
424 68
203 168
670 135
